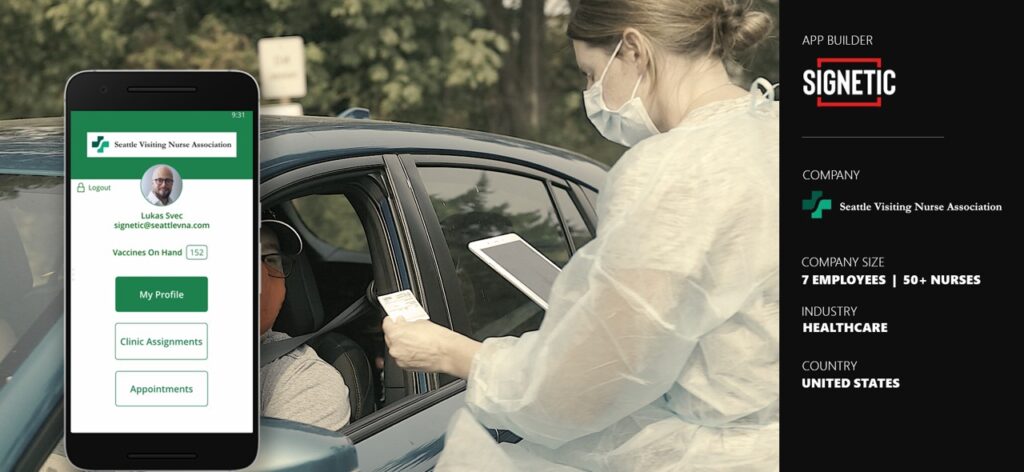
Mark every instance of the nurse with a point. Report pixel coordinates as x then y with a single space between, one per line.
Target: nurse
659 350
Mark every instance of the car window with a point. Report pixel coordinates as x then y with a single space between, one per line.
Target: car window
591 196
31 254
332 219
473 204
578 230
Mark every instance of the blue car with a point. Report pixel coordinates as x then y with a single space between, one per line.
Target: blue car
381 207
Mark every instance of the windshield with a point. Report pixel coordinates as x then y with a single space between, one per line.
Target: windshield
31 263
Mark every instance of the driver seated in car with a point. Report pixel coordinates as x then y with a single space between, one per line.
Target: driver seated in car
298 386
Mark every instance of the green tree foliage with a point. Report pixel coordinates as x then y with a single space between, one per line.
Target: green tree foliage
463 63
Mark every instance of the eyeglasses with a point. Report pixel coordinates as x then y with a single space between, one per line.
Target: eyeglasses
279 265
164 181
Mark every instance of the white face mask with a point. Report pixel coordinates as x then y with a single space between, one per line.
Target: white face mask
629 124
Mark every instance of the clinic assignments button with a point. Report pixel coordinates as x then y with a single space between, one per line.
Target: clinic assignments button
160 294
160 388
160 341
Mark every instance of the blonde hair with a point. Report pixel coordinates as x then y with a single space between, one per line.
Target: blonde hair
716 28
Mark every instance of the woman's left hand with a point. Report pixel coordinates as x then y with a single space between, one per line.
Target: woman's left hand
423 345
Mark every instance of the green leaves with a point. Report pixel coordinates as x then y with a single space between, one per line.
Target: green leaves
461 63
476 59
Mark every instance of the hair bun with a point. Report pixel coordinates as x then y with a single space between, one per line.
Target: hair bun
719 28
742 28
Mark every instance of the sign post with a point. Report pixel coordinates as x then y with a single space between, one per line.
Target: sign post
282 74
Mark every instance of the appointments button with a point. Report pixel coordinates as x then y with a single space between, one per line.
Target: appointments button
160 388
160 293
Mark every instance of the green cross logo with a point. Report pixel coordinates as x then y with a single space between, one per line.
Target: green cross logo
100 143
816 205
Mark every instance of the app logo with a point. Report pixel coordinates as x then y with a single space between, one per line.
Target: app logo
849 82
816 205
100 143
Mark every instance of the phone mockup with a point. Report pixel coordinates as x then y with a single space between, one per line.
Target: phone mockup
520 263
161 244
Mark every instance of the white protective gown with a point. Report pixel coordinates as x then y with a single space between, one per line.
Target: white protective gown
660 348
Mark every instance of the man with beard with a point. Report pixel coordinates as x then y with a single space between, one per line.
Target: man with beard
163 185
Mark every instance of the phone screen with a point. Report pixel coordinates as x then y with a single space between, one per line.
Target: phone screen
163 263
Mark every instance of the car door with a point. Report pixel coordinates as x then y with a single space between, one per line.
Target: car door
422 419
404 434
541 207
321 196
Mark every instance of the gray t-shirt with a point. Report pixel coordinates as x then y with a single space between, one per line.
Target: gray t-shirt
303 388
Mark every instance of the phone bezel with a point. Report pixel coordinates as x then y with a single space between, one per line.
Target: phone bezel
109 90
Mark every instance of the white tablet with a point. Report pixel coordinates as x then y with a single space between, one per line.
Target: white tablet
519 263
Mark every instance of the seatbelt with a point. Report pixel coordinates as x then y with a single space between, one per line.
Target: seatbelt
271 351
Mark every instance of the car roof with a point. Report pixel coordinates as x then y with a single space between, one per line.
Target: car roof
35 145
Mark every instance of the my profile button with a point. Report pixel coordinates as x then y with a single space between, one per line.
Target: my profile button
161 294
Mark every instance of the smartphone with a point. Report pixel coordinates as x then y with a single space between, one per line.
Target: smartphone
161 244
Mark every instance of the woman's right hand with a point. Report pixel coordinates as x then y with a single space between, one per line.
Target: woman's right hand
426 346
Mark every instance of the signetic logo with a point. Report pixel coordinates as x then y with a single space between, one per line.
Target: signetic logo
849 82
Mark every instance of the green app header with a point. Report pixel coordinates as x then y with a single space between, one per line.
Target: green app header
198 144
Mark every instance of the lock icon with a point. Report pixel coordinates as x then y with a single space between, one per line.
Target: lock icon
81 187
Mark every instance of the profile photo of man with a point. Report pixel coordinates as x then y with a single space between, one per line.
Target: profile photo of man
161 185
